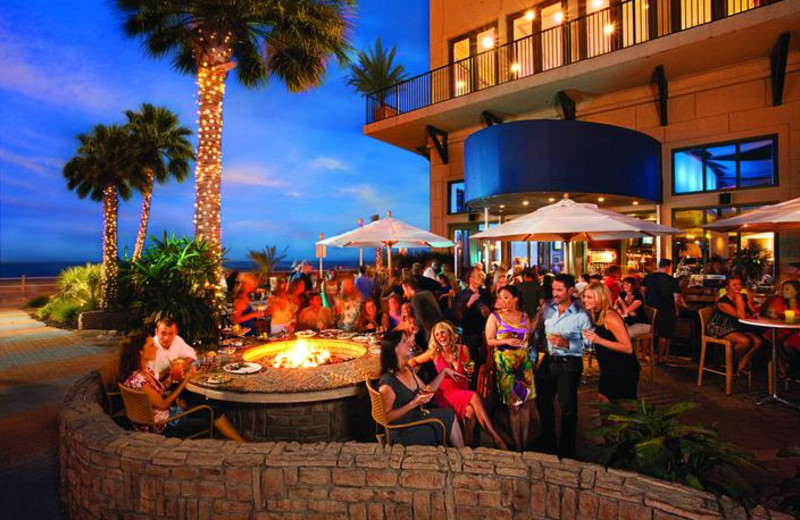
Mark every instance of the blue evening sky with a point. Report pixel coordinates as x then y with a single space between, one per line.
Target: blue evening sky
294 165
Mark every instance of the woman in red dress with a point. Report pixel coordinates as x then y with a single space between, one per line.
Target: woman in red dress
445 352
775 308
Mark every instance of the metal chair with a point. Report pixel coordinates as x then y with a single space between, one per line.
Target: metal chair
705 340
140 411
109 373
379 416
645 343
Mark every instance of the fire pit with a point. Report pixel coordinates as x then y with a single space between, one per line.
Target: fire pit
310 390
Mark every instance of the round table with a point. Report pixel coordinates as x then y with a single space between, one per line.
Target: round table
773 325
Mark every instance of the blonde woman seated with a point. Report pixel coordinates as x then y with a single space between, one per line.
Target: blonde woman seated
348 305
405 397
446 353
619 369
507 331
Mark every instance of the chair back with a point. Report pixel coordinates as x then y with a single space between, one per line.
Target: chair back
378 412
651 313
109 375
705 314
137 406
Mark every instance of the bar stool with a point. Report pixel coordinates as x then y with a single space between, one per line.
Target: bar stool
645 343
705 341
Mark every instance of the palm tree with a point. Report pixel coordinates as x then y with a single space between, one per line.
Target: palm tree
290 39
164 151
105 169
375 73
266 260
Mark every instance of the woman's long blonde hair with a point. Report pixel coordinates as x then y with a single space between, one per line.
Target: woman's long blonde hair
602 301
436 349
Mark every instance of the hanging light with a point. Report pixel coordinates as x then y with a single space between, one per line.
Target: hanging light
530 15
487 42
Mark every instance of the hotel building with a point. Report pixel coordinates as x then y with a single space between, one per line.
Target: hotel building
680 111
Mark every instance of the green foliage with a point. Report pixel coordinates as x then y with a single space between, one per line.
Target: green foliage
292 40
654 442
78 290
38 301
266 260
375 71
422 257
750 262
176 278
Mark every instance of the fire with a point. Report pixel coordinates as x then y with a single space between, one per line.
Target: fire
301 355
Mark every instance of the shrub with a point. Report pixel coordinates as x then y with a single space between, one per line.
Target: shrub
655 443
176 278
77 291
38 301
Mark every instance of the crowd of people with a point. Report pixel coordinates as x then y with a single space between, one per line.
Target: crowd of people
513 337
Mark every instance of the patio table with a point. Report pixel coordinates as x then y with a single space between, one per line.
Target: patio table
774 325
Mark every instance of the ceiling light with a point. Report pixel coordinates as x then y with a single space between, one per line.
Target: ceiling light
558 17
608 30
551 199
525 202
530 15
487 42
635 202
502 206
515 68
598 4
601 199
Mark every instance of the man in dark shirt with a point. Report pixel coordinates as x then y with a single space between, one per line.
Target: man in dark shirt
426 309
470 311
424 283
661 291
532 293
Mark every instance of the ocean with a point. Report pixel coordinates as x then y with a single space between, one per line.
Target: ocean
52 269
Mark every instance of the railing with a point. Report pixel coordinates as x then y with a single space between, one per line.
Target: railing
617 27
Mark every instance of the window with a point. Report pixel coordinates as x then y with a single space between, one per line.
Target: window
721 167
455 198
697 245
474 68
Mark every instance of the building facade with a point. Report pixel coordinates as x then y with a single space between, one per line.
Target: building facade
715 82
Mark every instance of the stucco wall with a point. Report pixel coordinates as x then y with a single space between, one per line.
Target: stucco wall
107 472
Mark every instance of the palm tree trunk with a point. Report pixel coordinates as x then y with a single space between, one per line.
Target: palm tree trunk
108 272
211 90
144 218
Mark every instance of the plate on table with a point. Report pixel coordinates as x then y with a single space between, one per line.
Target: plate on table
232 342
230 349
218 379
360 339
244 367
347 335
375 350
305 333
331 332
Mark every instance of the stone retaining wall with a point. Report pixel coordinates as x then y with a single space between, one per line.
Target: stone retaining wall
107 472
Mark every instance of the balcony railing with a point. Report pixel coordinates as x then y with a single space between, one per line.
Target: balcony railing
617 27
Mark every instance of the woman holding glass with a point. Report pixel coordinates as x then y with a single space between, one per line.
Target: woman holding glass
619 369
445 352
724 323
405 397
507 338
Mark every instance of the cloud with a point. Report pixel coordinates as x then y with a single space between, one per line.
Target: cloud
251 175
329 163
294 194
368 195
55 76
43 166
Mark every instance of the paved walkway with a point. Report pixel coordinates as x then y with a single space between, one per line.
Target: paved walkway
37 365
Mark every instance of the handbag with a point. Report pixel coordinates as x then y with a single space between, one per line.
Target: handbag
485 384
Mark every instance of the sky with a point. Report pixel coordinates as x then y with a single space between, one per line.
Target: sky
294 165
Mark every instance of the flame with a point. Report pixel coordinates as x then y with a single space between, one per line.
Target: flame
301 355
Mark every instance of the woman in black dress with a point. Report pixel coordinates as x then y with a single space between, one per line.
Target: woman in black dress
405 395
724 323
630 305
619 369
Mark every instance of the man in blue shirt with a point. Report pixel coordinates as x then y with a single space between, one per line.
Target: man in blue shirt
563 321
364 283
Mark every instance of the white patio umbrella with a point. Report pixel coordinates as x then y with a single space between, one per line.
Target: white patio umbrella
570 221
388 232
777 217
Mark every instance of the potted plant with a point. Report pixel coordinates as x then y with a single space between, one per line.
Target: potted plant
374 74
750 263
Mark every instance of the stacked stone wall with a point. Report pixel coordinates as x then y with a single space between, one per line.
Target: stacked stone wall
108 472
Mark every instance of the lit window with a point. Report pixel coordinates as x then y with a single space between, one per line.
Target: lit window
456 198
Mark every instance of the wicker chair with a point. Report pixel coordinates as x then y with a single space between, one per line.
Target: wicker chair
645 343
140 411
705 314
379 416
109 373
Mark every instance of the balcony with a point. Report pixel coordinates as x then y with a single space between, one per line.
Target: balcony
608 50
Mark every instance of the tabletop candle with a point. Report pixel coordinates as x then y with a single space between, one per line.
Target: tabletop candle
789 316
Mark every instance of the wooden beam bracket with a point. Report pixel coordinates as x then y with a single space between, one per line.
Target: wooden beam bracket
439 138
780 54
567 104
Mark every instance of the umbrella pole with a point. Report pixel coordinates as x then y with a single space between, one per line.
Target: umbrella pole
565 249
455 260
389 247
360 257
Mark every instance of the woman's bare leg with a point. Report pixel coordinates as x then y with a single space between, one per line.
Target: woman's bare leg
754 344
525 422
469 426
223 425
476 404
513 424
456 437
